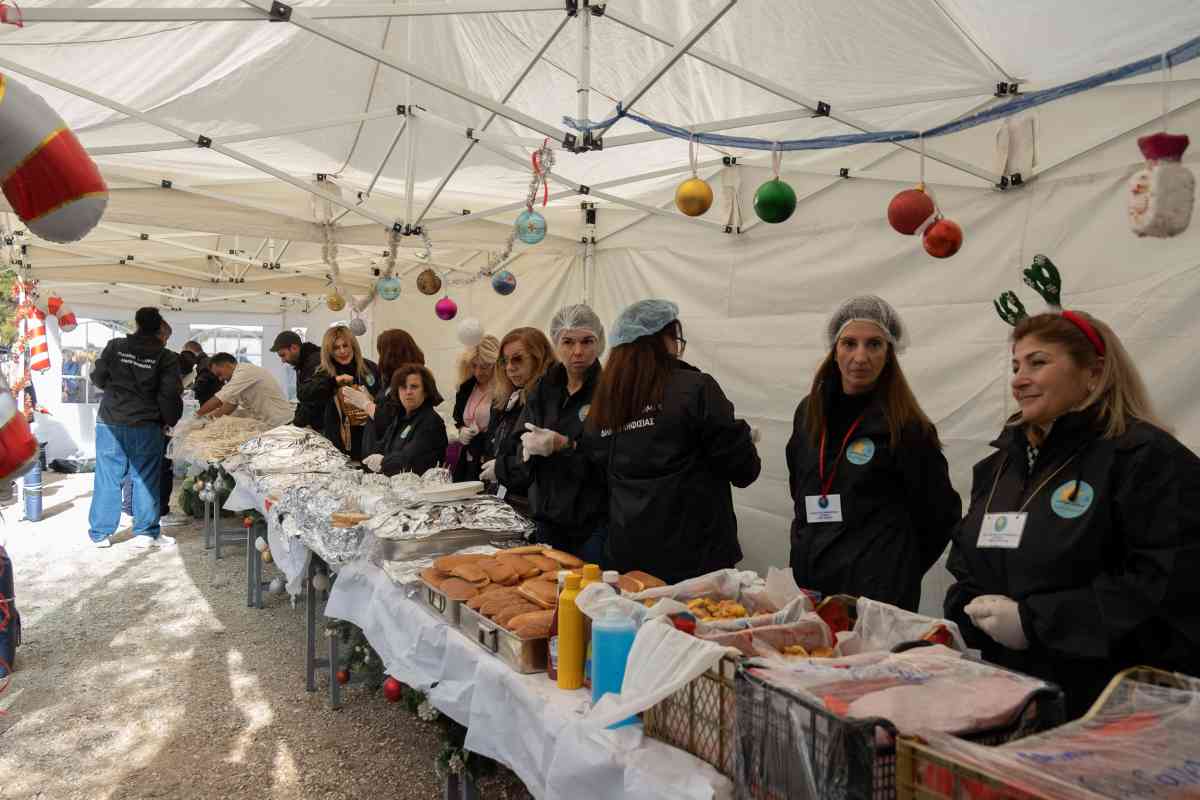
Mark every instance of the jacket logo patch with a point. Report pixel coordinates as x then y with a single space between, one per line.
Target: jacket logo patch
1069 503
583 412
404 433
860 451
370 380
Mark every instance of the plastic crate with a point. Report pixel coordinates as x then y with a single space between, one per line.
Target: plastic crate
699 718
927 774
790 746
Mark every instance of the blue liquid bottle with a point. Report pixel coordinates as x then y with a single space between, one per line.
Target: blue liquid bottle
612 639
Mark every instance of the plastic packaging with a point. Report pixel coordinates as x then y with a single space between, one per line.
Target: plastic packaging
612 639
570 637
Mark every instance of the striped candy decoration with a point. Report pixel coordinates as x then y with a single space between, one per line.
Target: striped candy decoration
47 177
39 349
65 316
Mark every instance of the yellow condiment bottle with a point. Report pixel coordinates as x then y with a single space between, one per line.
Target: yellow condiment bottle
570 637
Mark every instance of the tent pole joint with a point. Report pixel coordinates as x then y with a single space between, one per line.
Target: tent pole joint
280 12
729 161
823 108
1004 89
166 184
203 141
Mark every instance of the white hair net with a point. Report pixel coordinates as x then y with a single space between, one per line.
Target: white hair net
578 317
872 309
643 318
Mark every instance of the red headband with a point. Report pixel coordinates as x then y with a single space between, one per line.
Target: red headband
1080 322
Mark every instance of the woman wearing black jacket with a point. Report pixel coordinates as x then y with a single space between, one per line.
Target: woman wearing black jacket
871 489
342 366
473 405
1080 553
666 439
416 440
396 347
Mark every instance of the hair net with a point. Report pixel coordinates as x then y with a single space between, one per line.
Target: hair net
873 309
578 317
643 318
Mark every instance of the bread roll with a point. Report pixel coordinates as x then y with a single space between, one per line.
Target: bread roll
543 563
433 576
532 624
510 613
647 580
629 585
493 603
499 572
472 572
567 560
448 563
458 589
492 589
524 568
544 593
535 549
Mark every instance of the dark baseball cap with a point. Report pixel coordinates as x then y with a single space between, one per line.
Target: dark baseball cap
286 339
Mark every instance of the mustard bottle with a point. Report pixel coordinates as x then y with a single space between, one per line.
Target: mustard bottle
570 637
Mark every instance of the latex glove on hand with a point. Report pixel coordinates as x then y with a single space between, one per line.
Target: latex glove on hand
373 462
465 435
356 397
487 473
540 441
1000 618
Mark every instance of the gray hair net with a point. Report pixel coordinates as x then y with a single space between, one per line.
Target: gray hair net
578 317
872 309
643 318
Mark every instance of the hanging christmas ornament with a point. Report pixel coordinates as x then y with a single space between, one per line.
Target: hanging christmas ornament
388 287
504 282
39 349
428 282
694 196
335 301
392 689
65 316
943 238
910 210
774 201
470 332
357 326
1161 194
446 309
531 226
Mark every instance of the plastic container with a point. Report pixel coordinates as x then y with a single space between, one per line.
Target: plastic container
570 637
612 639
613 579
591 574
552 647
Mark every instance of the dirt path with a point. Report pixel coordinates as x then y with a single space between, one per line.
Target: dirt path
144 675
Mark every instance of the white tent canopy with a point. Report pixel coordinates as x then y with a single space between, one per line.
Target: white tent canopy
319 95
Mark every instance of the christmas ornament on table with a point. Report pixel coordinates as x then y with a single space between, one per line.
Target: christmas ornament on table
50 181
694 196
775 200
335 301
504 282
446 309
428 282
388 287
470 332
1162 193
393 689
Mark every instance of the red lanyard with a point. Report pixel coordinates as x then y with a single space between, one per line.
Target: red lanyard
826 485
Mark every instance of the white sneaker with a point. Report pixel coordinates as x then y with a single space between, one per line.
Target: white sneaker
165 541
103 543
143 542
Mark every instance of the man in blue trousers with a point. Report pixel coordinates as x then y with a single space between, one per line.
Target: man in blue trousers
143 391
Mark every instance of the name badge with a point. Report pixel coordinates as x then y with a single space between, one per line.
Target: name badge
1002 530
823 508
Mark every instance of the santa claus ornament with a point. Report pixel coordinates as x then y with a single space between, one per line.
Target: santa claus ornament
1161 194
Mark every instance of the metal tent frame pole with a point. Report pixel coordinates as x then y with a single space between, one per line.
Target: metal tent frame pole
233 14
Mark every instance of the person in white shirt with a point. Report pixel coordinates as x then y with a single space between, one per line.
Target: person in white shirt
249 390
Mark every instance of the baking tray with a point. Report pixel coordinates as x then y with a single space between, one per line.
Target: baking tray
440 604
439 544
522 655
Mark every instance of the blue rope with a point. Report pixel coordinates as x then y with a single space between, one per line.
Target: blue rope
1179 55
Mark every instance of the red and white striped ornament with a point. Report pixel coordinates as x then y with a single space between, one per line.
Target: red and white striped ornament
39 348
59 310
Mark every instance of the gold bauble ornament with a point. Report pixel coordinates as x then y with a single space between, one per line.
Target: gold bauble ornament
428 282
335 301
693 197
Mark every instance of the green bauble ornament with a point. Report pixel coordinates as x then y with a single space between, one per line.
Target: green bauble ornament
774 201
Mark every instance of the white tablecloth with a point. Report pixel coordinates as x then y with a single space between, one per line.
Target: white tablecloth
523 721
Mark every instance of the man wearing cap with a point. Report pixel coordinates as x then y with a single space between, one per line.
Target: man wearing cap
305 358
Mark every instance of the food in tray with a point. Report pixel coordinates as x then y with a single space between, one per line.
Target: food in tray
458 589
708 608
448 563
566 560
499 572
543 593
523 567
644 580
434 577
347 519
511 612
468 571
532 624
798 651
527 549
544 563
492 590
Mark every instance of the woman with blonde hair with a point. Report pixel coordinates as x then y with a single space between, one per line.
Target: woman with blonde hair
871 489
525 356
473 405
1079 555
343 369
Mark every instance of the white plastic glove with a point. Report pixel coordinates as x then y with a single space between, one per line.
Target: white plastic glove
465 435
488 471
373 462
539 441
1000 618
755 434
356 397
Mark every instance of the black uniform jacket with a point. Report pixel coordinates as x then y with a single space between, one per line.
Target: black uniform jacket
308 414
898 507
320 390
566 491
670 509
140 380
1107 573
415 442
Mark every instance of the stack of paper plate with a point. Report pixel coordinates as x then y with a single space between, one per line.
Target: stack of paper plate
451 491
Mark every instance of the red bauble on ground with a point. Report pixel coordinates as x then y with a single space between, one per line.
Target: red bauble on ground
342 676
909 210
392 689
943 238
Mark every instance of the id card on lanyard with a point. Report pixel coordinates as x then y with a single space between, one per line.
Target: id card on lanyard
826 507
1003 530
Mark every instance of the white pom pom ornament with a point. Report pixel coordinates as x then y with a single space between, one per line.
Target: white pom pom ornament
470 332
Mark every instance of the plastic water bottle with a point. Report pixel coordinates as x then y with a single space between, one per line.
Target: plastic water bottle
612 639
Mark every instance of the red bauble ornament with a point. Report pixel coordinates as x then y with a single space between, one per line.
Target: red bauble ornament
909 210
343 676
943 238
392 689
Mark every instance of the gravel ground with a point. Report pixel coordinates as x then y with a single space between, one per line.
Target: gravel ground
144 675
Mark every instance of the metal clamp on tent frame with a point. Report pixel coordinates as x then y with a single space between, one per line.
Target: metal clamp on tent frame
1010 180
729 161
844 172
280 12
823 108
1004 89
592 141
203 141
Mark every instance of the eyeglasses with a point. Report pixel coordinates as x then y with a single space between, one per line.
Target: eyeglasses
516 360
682 344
